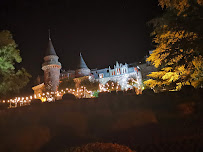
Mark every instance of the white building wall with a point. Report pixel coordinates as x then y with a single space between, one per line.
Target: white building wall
122 80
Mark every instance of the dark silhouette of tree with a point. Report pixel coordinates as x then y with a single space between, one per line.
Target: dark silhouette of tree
90 85
67 83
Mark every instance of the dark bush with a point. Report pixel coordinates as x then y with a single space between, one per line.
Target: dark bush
129 91
101 147
4 106
103 94
35 102
187 90
113 92
148 92
68 96
25 139
200 93
119 92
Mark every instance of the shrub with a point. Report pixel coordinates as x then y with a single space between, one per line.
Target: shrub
129 119
186 108
90 85
35 102
67 83
68 96
4 106
101 147
187 90
25 139
148 92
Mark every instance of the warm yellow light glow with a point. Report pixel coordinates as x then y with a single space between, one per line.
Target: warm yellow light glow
43 99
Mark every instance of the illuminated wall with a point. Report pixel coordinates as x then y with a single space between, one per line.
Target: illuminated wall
121 74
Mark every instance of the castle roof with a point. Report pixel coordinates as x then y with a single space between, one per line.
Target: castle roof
50 49
82 64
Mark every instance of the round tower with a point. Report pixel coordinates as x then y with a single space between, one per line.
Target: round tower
51 68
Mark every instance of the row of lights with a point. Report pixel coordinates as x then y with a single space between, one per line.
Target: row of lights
50 96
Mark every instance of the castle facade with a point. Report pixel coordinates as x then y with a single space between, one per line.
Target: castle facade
120 73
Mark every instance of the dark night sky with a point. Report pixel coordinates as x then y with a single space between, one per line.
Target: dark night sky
105 31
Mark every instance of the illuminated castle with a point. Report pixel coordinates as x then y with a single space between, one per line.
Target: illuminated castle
120 73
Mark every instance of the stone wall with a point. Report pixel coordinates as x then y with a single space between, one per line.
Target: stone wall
51 78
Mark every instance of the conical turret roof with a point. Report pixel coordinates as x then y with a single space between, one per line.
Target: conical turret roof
82 64
50 49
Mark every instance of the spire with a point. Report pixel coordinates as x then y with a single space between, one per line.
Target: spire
82 64
49 34
50 49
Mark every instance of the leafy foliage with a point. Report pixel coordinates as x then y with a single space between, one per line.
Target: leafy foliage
101 147
67 83
132 80
178 38
112 85
90 85
10 79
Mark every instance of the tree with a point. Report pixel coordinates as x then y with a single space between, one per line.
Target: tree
178 36
112 85
67 83
11 80
132 81
90 85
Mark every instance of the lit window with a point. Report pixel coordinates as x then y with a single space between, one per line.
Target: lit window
136 69
101 75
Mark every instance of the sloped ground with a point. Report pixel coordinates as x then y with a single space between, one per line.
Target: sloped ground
149 122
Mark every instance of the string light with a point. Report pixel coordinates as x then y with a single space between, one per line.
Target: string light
81 92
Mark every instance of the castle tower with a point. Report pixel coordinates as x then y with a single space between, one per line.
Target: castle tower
51 68
82 69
